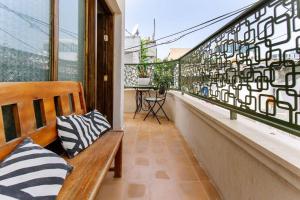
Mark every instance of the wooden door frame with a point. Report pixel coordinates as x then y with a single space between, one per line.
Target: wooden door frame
90 54
54 38
110 63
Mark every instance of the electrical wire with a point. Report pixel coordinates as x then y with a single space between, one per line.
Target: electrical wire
201 24
180 37
188 33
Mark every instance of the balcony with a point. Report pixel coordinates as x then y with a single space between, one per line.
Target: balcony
234 99
233 102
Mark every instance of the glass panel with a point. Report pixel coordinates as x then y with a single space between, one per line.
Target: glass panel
24 40
71 40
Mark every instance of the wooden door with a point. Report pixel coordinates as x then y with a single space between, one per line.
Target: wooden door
105 61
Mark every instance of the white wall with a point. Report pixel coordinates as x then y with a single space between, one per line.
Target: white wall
132 55
129 101
118 8
240 168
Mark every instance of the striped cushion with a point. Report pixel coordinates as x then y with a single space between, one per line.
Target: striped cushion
77 132
32 172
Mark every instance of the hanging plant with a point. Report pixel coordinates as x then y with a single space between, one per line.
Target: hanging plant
143 67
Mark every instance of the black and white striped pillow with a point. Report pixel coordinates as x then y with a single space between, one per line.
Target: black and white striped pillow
77 132
32 172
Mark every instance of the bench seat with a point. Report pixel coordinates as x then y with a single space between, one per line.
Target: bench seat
56 99
90 167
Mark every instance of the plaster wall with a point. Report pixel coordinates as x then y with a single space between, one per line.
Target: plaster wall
239 170
117 7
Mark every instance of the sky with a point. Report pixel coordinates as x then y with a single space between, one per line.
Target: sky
175 15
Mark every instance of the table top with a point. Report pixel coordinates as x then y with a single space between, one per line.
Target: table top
143 87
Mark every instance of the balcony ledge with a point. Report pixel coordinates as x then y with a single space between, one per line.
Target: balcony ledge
277 151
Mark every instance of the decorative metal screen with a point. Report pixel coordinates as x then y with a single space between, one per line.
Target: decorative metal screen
132 73
252 66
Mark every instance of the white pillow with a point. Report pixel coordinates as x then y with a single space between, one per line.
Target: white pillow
31 171
77 132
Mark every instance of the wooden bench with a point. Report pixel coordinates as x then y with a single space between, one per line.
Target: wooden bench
59 98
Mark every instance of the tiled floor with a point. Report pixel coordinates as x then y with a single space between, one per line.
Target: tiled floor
157 165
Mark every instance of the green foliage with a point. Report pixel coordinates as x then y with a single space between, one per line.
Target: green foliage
143 67
143 72
158 60
163 74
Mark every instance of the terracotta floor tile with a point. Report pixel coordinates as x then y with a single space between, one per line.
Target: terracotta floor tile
158 165
161 161
109 185
136 190
164 190
137 173
161 174
142 161
142 147
184 173
180 159
192 191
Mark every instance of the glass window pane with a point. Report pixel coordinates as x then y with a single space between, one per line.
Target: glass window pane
71 40
24 40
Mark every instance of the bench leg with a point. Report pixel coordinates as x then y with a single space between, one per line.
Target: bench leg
118 162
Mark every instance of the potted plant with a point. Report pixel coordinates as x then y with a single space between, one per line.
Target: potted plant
143 75
163 76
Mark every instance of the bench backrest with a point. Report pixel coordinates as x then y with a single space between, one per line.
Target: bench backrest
54 98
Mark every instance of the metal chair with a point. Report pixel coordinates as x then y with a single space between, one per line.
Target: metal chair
159 99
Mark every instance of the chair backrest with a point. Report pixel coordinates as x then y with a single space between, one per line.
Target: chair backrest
54 98
162 92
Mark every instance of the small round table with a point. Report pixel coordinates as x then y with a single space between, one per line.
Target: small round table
140 90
